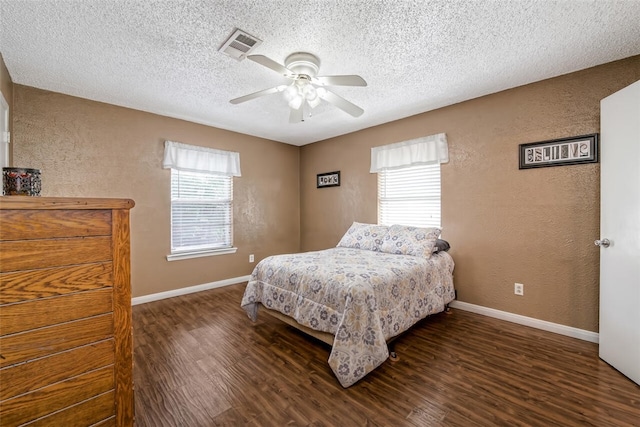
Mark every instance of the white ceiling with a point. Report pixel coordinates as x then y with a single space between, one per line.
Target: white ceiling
416 56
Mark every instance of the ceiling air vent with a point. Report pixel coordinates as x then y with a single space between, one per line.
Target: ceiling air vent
239 45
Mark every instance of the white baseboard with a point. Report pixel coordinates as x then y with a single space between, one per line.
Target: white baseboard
189 290
528 321
486 311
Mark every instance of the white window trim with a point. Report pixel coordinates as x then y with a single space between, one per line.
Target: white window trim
184 253
199 254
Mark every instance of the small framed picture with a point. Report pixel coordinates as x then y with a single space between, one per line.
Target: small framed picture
328 179
559 152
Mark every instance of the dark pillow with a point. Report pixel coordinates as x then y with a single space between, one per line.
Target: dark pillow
441 246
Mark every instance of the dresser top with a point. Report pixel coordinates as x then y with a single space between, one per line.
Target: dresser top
27 202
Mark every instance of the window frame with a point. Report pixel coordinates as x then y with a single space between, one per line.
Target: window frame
212 249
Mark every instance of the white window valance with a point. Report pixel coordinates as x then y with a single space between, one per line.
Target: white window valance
420 151
193 158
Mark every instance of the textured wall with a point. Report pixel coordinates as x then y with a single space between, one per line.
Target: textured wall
90 149
505 225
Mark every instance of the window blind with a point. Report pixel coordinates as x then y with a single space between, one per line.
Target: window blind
201 211
410 196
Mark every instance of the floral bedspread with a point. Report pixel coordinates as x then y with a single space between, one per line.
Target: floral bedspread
361 297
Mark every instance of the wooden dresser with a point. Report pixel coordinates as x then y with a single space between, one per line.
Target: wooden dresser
65 312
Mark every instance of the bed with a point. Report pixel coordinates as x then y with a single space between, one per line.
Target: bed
377 283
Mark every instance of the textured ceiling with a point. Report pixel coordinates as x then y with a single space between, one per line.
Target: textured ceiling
416 56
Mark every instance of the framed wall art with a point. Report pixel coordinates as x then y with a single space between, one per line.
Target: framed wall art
559 152
328 179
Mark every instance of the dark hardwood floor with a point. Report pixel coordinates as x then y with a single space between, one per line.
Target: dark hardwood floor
200 361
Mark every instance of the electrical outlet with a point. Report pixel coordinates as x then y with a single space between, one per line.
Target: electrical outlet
251 258
518 289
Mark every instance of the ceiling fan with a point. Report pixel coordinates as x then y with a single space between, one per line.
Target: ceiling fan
307 89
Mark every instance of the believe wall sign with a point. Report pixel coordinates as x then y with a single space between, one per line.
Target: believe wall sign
559 152
328 179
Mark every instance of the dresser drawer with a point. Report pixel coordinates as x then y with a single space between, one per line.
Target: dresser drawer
42 342
33 254
88 413
56 396
26 377
28 285
23 316
48 224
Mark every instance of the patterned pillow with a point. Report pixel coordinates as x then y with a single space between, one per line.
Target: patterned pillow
364 236
416 241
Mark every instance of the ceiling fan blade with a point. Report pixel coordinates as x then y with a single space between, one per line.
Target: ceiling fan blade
296 115
341 103
351 80
270 63
258 94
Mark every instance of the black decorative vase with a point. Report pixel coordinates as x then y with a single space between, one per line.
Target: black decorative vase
21 182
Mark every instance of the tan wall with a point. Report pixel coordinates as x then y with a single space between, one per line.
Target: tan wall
505 225
6 87
91 149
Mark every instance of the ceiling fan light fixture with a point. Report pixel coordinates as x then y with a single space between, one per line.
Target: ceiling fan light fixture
296 102
309 92
303 63
306 87
313 103
290 92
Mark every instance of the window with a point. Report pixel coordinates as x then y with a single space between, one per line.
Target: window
201 211
410 196
201 199
409 180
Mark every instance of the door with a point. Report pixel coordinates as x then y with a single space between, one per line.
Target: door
4 132
619 334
